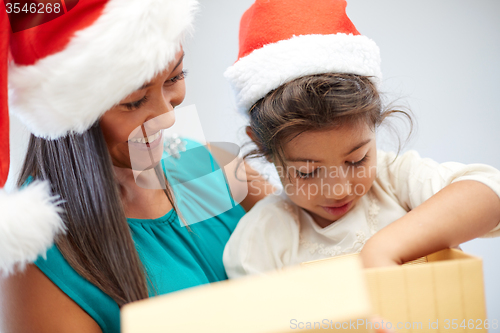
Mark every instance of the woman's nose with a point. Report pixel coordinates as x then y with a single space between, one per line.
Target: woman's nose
160 122
174 95
162 114
162 106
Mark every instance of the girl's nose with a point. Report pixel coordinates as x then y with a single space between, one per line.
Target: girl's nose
338 189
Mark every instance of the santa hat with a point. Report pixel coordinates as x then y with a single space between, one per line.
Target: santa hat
63 75
284 40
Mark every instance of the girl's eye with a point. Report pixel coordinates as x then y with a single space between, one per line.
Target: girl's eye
137 104
176 78
302 175
360 162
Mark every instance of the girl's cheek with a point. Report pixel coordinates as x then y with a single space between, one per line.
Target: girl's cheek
365 182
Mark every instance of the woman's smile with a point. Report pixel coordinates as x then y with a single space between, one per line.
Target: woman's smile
149 142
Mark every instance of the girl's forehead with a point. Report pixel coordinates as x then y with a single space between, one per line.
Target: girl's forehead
338 142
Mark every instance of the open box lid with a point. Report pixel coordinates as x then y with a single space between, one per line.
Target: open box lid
333 291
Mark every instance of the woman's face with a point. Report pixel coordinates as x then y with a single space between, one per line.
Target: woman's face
132 129
329 171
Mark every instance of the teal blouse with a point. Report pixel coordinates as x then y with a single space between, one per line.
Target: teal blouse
174 257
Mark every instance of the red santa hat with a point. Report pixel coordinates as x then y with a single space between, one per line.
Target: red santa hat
281 40
63 75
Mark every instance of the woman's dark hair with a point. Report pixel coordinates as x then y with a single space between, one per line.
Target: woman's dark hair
98 243
313 103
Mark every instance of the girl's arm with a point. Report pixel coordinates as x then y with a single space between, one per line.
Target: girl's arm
459 212
30 302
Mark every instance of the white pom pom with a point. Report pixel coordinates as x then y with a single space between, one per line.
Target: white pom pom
29 222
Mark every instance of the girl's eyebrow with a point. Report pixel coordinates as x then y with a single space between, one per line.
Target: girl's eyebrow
301 159
147 85
358 146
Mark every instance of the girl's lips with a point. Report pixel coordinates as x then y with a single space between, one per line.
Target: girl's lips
338 210
146 146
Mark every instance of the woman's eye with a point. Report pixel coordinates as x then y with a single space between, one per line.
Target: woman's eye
176 78
137 104
360 162
303 175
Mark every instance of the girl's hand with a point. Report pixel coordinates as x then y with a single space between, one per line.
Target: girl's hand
375 257
462 211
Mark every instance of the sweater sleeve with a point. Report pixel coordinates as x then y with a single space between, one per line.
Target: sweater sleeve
264 239
413 179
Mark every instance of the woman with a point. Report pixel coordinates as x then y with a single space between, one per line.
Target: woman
95 86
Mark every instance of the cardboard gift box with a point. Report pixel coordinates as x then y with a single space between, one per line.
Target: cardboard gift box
438 293
286 301
442 292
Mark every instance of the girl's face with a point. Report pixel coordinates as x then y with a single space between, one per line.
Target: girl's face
328 171
135 124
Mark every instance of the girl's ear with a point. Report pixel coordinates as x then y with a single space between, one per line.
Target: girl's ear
249 132
251 135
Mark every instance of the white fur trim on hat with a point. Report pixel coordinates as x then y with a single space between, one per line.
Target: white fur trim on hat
267 68
124 48
29 221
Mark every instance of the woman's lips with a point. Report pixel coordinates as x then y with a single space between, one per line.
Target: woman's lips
146 146
338 210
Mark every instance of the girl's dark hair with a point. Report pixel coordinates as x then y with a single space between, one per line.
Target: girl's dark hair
98 243
313 103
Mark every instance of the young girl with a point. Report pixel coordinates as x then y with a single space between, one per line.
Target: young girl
309 83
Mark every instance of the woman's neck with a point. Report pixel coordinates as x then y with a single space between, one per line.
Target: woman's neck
142 194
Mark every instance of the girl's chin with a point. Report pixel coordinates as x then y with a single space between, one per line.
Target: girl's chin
322 220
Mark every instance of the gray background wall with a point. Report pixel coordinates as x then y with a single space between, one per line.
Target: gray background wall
440 57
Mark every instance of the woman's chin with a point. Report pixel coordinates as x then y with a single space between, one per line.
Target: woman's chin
145 156
144 168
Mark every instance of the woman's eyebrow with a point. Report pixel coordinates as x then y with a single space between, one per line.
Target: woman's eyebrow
180 61
359 146
147 85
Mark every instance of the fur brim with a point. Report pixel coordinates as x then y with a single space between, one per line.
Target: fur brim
267 68
29 223
124 48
